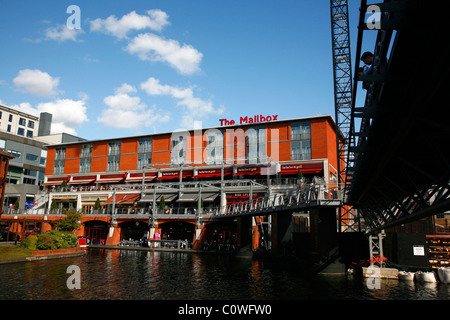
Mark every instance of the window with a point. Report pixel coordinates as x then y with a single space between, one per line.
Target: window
10 118
30 124
60 157
85 158
21 131
29 134
144 152
256 145
214 148
113 156
178 153
114 148
22 121
85 165
29 172
301 141
31 157
16 154
9 128
86 151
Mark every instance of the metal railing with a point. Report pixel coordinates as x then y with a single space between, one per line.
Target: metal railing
303 195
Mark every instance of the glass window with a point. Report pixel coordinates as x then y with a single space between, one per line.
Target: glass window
256 145
214 148
301 141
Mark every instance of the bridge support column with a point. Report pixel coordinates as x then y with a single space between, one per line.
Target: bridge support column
281 231
323 230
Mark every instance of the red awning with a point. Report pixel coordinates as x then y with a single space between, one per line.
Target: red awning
174 175
82 180
248 171
113 178
124 198
55 181
315 167
137 177
208 173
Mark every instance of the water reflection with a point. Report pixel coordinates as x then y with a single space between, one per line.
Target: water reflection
131 274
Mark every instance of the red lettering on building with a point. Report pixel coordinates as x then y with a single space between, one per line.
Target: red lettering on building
248 120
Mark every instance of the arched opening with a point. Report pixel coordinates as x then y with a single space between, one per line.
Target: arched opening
133 230
96 231
177 230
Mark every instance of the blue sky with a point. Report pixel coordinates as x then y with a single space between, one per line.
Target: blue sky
138 67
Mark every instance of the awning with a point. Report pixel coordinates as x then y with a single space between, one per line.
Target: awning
148 198
112 178
82 180
209 196
244 171
315 167
188 197
169 197
174 175
137 177
124 198
208 173
55 181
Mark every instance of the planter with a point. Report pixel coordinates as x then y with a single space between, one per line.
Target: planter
39 253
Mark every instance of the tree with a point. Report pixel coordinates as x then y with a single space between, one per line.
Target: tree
162 203
97 205
71 221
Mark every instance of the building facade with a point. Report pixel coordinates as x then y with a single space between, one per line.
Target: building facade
170 186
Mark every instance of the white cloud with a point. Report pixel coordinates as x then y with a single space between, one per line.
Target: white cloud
184 58
155 20
128 112
36 82
195 108
62 33
67 114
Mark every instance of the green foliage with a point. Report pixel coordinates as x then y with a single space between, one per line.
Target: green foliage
162 203
71 221
45 242
97 205
50 240
30 242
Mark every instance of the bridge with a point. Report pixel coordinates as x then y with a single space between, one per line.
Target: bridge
398 158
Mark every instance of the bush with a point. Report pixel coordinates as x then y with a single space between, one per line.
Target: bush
30 242
51 240
45 242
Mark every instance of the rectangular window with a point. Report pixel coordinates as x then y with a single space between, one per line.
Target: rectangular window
85 158
256 145
22 121
60 157
214 148
10 118
301 141
85 165
9 128
178 152
114 148
30 124
21 131
29 134
113 156
144 153
31 157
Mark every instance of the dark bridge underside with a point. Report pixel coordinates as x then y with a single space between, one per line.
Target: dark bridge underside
401 170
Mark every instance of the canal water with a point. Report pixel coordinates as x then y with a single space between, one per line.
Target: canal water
147 275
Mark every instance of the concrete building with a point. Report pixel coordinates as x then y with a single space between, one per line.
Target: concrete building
25 137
